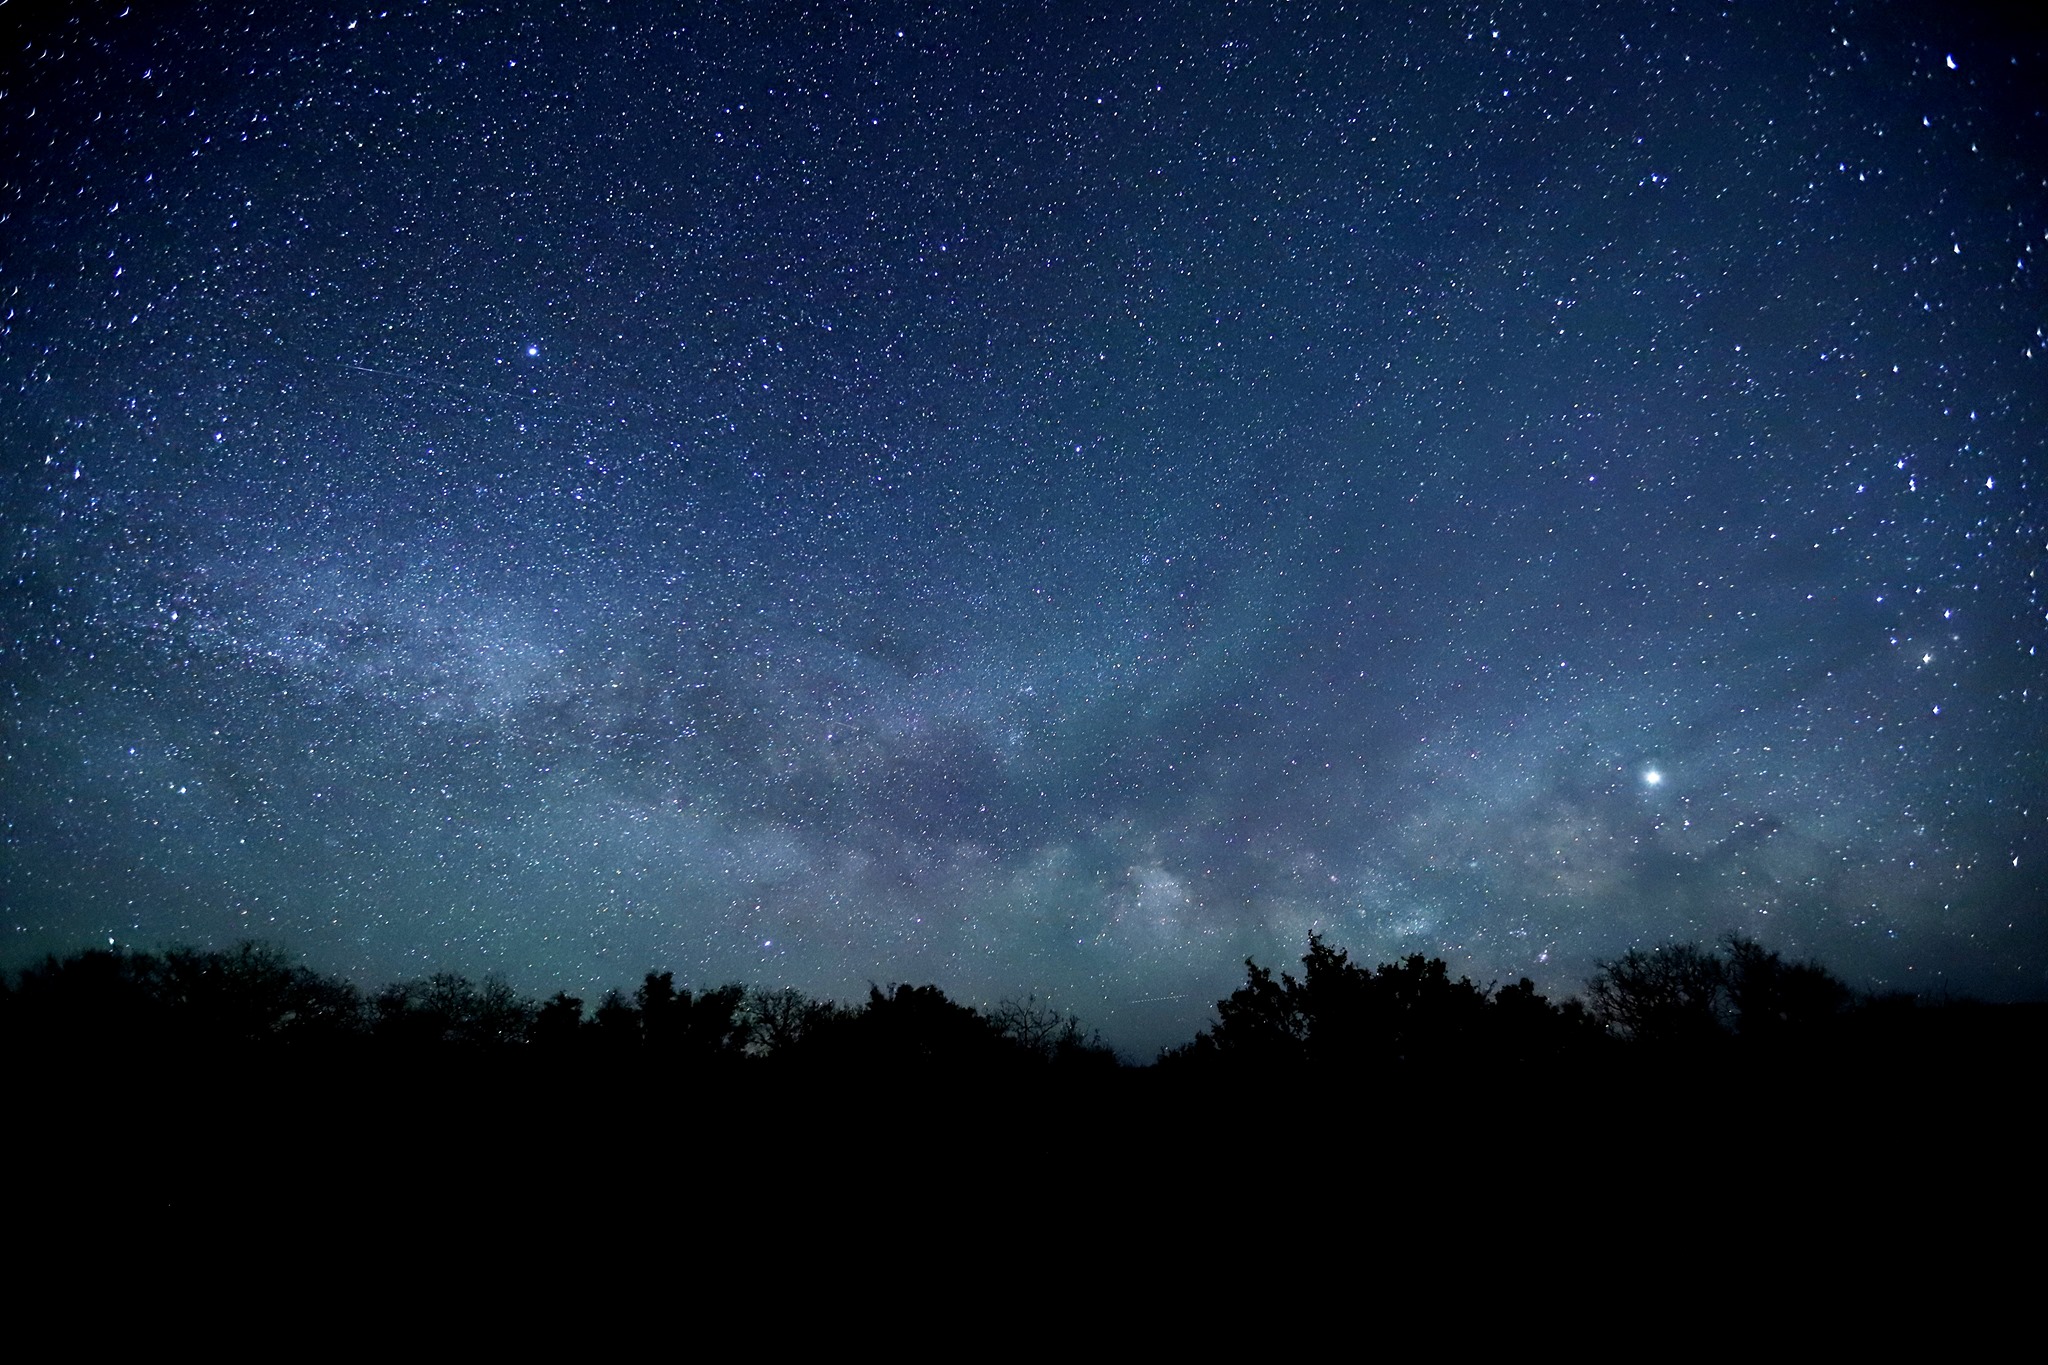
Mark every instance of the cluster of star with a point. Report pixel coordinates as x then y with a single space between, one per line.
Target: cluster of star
828 499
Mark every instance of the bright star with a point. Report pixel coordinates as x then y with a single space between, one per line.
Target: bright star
1652 778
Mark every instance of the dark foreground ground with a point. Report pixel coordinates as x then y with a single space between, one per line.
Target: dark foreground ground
292 1150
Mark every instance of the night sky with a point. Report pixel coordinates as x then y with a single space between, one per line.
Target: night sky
1040 499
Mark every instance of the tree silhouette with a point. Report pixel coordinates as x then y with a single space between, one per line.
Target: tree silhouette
1260 1019
1670 996
677 1024
558 1024
615 1027
1339 1014
1044 1035
1401 1013
96 1000
1527 1027
919 1028
448 1009
784 1022
255 994
1775 1001
252 994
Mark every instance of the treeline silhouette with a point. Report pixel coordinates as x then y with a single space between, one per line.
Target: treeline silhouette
1736 1001
253 998
165 1091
